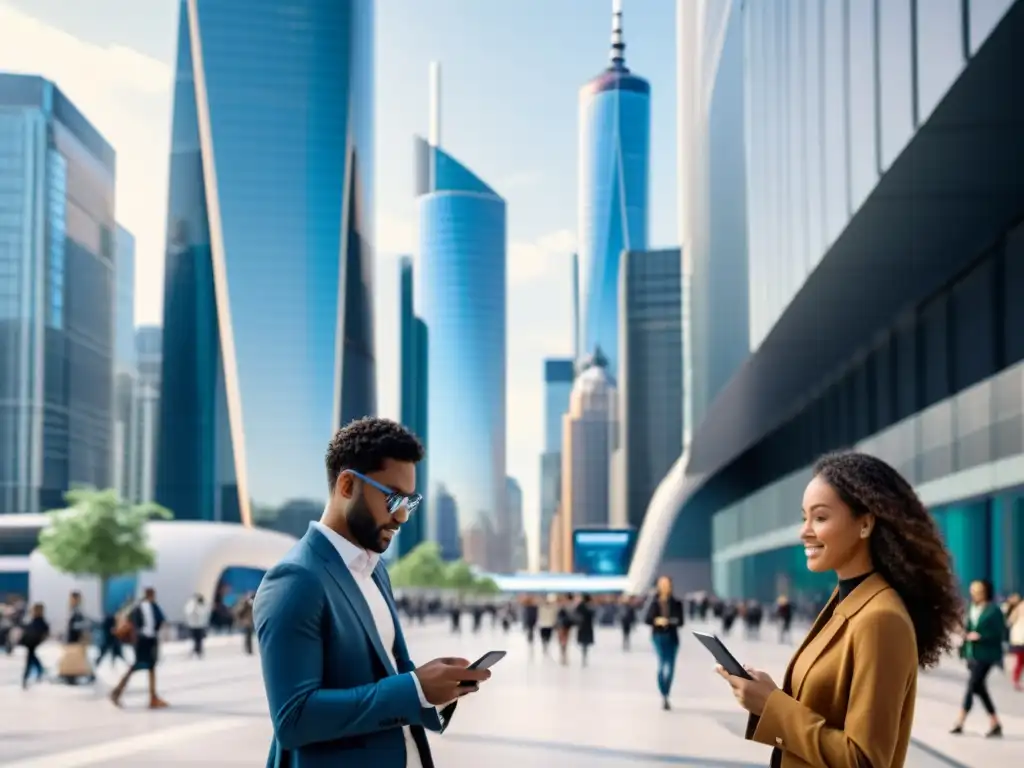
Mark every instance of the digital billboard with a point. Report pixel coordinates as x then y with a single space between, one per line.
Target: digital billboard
602 551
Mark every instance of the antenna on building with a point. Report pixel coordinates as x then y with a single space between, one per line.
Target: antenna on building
618 54
434 136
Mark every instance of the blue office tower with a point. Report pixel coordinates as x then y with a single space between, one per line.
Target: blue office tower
413 393
615 130
268 333
461 297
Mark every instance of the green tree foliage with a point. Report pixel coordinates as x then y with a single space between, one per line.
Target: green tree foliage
424 568
99 534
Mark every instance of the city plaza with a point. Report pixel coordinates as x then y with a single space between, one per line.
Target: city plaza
533 711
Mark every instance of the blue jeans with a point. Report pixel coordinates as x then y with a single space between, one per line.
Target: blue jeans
667 648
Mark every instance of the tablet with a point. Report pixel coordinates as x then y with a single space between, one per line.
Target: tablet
722 655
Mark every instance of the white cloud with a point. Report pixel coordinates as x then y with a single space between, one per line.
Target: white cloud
530 260
396 236
127 96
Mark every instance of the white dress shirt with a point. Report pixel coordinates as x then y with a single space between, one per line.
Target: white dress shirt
148 628
361 564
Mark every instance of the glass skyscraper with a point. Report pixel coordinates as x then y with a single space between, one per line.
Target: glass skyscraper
461 297
413 394
125 374
558 378
268 332
614 161
651 377
57 297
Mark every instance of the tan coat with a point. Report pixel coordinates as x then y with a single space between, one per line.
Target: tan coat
847 700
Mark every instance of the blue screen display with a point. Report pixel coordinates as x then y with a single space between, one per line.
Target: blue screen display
602 552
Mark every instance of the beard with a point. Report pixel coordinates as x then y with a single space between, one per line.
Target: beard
364 529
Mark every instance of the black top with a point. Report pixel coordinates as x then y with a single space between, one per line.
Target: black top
672 610
846 586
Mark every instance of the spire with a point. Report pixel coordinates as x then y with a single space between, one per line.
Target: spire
618 53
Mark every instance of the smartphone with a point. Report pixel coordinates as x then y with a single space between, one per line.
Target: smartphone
486 661
722 655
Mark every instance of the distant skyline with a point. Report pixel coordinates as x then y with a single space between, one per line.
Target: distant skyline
509 110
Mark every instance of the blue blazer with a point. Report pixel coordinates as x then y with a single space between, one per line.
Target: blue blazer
334 697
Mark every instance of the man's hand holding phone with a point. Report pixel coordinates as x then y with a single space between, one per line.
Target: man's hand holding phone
661 621
443 680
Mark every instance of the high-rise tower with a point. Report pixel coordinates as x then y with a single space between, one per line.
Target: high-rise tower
268 321
461 298
614 160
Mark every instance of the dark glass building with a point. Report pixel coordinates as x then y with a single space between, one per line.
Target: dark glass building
268 334
615 132
413 395
57 298
886 230
651 377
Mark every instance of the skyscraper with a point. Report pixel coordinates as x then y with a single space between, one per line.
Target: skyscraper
588 440
125 374
57 297
413 394
146 413
558 377
461 297
268 324
614 160
651 374
514 538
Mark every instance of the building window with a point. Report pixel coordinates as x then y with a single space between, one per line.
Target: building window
895 77
985 16
973 325
837 202
933 332
863 104
940 51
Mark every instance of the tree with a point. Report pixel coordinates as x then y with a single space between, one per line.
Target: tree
485 585
422 567
99 534
460 577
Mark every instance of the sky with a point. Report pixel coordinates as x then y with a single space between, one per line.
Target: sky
511 74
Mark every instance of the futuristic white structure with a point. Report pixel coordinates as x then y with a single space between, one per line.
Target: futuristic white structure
190 558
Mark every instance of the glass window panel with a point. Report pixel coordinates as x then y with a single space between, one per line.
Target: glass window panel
896 77
933 325
814 147
863 112
973 330
782 106
985 15
837 204
940 54
797 149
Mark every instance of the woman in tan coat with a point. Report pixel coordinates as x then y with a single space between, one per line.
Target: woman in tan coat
847 698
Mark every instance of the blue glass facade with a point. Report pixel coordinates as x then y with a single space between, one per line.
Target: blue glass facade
461 297
269 213
614 156
57 297
413 378
558 378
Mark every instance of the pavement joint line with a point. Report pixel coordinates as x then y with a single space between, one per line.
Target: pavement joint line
600 751
105 752
938 755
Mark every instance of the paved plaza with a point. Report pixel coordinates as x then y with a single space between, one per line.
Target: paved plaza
532 712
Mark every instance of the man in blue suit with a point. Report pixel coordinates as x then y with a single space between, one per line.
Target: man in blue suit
340 684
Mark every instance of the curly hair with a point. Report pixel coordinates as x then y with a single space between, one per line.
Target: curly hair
365 443
906 547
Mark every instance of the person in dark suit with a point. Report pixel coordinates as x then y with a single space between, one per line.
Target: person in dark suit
146 620
665 617
584 626
341 687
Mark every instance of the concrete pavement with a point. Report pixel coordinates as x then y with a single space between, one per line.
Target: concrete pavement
533 711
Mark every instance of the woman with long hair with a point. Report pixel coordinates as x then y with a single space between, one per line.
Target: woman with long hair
847 698
665 617
984 632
